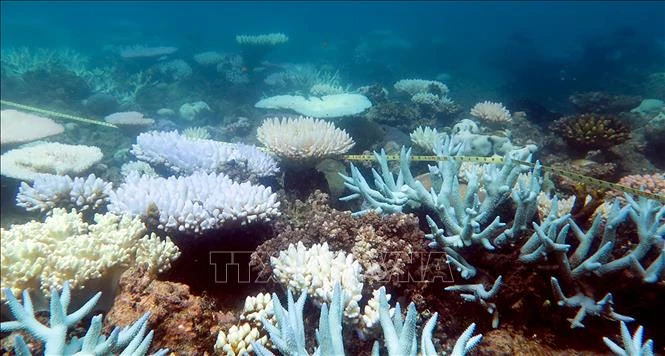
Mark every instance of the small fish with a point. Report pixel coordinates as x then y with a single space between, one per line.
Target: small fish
583 162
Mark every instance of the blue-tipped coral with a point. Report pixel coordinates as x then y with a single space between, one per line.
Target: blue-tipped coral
462 219
549 242
401 337
632 346
603 307
477 293
130 340
289 334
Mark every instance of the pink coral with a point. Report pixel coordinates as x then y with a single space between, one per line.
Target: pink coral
651 183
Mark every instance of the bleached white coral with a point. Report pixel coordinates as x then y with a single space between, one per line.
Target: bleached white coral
303 138
39 255
239 338
425 137
194 203
369 320
27 162
492 112
17 127
208 58
545 205
196 132
415 86
269 39
184 155
139 167
316 270
49 191
327 106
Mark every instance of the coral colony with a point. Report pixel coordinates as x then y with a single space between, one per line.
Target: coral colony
133 210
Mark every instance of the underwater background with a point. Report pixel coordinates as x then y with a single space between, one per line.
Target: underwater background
199 160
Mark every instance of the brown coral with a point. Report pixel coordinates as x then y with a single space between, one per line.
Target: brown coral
388 247
184 323
590 131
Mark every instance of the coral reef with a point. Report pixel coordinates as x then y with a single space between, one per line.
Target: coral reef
442 217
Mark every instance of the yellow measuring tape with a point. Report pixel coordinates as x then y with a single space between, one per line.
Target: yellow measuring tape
57 114
500 160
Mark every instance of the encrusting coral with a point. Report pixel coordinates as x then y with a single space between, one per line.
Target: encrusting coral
182 321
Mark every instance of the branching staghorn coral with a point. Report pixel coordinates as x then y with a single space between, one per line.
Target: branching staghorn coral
632 346
19 61
548 242
477 293
131 340
586 305
466 219
399 332
549 239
